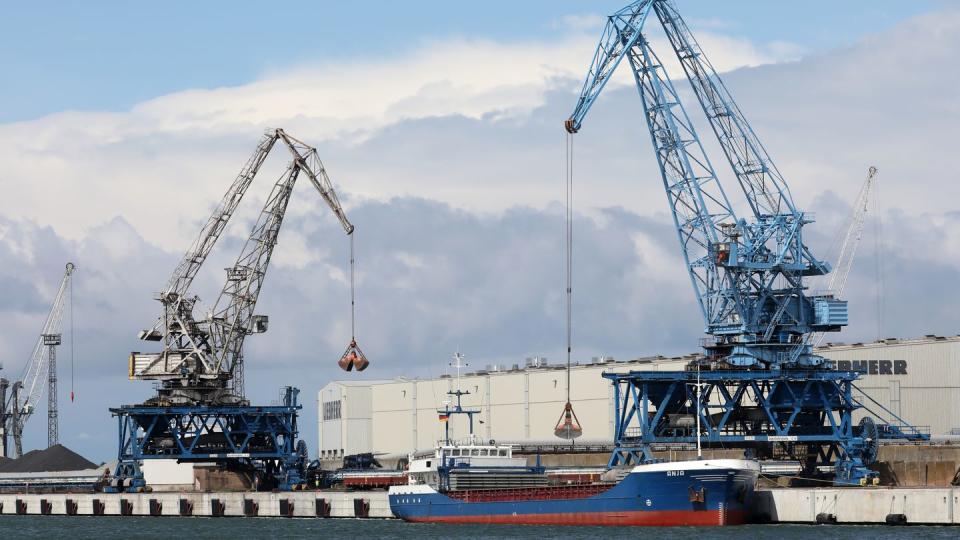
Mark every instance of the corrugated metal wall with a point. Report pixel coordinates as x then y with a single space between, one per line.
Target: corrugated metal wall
925 392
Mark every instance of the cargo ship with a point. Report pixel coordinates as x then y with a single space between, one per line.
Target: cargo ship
471 481
477 483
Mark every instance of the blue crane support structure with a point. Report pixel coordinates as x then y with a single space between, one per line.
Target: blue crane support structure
200 412
767 390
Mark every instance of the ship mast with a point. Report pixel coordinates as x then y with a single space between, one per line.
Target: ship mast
446 411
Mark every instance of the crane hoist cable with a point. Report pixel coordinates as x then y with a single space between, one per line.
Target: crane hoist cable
568 426
73 339
353 357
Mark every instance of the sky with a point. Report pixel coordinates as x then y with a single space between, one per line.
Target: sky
122 126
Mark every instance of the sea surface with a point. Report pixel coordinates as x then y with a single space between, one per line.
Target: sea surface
174 528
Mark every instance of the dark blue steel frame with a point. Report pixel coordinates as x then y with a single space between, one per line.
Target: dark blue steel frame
756 410
261 437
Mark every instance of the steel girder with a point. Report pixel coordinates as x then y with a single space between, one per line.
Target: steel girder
804 415
261 438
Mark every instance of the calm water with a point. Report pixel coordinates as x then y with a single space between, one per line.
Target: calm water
102 528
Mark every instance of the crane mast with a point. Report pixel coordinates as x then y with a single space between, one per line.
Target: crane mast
747 274
202 360
40 372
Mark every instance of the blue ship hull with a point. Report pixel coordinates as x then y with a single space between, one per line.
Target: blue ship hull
649 495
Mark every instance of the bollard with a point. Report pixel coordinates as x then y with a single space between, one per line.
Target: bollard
826 519
896 519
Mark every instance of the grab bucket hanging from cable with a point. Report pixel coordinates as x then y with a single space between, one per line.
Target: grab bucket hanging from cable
353 358
568 427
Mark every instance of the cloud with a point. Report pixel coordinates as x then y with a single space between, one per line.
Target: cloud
161 164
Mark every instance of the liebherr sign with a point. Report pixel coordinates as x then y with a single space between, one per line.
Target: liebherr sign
874 367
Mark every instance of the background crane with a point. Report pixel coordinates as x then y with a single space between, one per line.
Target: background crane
39 372
848 246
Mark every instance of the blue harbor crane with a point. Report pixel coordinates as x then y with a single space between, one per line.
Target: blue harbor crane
747 272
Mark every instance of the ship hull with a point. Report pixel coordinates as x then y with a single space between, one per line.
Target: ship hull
675 494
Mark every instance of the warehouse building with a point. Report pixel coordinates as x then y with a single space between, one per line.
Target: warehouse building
916 379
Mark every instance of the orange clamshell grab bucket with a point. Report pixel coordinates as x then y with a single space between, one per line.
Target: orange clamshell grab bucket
353 357
568 427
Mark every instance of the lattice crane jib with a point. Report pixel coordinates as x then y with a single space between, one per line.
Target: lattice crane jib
40 373
202 359
747 272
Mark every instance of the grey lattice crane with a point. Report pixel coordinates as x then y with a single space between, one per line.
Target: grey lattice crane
202 360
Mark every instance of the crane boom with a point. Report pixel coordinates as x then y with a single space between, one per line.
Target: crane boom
747 274
764 187
233 312
233 315
175 291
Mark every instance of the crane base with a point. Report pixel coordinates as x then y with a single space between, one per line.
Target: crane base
801 415
261 440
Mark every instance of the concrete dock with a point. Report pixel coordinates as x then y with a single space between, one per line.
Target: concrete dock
904 506
870 505
304 504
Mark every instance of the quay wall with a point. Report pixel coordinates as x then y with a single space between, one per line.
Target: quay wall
304 504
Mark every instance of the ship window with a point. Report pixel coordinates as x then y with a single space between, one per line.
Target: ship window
428 463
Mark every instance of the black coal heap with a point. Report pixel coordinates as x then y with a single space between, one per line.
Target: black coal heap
53 459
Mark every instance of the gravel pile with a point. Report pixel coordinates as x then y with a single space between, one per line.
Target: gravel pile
55 458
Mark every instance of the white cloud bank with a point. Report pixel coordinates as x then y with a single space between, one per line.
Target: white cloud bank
161 164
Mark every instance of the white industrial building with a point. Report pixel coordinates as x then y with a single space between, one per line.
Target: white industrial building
918 379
